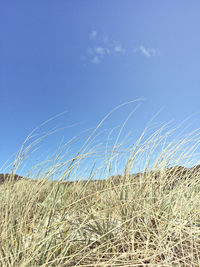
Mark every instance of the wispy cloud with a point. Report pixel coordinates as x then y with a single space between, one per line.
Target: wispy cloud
119 49
147 52
102 48
96 60
97 53
93 35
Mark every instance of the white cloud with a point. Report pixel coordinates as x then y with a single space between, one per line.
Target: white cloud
103 47
96 60
101 50
93 35
119 49
96 54
147 52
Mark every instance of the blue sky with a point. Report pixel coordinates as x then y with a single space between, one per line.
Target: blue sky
87 57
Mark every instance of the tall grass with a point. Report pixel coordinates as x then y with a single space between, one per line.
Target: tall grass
149 219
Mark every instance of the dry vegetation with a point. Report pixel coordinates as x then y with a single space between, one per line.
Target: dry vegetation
148 219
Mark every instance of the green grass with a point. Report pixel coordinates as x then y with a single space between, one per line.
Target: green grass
135 221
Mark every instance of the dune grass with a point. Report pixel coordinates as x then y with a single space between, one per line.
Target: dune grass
130 221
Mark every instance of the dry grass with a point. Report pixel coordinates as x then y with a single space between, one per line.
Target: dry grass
143 220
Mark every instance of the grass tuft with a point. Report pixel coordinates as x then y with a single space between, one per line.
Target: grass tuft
151 218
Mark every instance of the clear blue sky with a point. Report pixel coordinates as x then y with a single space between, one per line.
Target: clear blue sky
87 57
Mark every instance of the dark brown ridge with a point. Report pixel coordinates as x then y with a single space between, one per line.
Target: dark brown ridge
179 172
6 177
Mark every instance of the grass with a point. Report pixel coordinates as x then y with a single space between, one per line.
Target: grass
148 219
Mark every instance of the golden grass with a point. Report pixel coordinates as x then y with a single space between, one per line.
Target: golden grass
137 221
